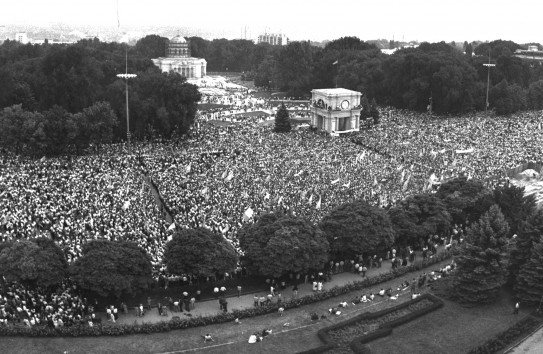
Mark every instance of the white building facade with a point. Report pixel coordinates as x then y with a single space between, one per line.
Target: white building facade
178 60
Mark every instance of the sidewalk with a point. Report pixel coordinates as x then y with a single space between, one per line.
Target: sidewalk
211 307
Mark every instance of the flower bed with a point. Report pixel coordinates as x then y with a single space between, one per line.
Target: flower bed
352 334
343 336
509 336
197 321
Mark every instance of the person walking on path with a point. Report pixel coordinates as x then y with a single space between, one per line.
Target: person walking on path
295 291
239 290
517 306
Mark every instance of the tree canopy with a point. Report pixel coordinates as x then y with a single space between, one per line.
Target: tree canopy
279 244
112 268
482 259
418 217
199 252
36 262
282 122
357 228
528 234
466 200
529 288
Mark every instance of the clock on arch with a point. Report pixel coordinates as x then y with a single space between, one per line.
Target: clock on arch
345 104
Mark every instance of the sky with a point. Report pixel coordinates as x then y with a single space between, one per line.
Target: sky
421 20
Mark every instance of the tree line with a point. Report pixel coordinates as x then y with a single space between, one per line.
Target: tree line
502 242
59 97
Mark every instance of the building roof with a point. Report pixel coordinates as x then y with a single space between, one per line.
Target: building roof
336 92
178 39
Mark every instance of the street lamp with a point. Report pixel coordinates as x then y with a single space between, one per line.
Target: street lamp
127 76
488 78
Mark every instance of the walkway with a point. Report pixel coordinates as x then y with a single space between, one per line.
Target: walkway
211 307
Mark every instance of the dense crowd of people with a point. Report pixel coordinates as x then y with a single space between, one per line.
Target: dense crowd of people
222 176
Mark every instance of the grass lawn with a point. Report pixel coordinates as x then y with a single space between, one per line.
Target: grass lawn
451 329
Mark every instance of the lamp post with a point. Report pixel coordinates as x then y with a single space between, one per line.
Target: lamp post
488 78
127 76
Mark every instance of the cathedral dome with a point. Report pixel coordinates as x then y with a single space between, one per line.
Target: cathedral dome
178 39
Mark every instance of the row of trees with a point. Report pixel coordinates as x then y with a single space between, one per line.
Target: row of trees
40 82
279 244
456 81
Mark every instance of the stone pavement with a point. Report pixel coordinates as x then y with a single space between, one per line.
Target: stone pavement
211 307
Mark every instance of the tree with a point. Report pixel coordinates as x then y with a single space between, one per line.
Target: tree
282 122
357 228
20 128
199 252
37 262
100 121
514 205
374 112
482 259
529 288
507 99
279 244
535 95
112 268
151 46
468 50
466 200
418 217
528 235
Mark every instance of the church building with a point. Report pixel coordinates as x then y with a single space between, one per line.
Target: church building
178 59
335 110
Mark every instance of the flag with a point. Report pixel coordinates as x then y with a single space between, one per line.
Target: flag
347 185
336 62
335 181
187 169
248 214
310 199
375 181
304 194
230 177
171 227
467 151
280 200
404 188
299 173
318 206
267 196
126 205
224 174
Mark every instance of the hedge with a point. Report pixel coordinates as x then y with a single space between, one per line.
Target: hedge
198 321
357 344
509 336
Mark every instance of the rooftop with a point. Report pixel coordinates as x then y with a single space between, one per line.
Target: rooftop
335 92
178 39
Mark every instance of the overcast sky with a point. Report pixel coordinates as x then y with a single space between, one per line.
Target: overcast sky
422 20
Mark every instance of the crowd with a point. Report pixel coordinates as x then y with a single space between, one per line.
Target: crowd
221 177
31 307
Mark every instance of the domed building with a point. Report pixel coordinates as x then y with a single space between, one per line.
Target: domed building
178 59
